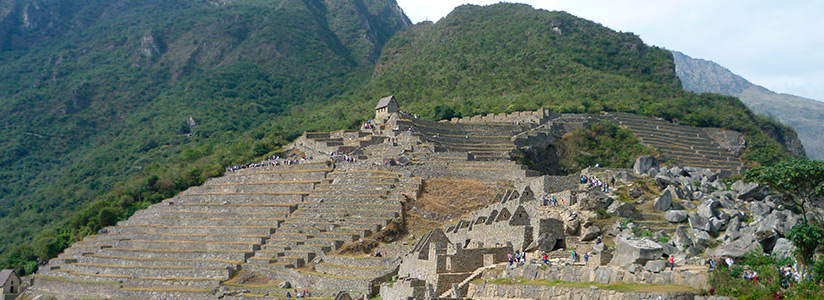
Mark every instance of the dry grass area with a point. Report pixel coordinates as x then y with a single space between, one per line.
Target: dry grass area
452 198
248 278
443 200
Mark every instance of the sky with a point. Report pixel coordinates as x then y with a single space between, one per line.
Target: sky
775 44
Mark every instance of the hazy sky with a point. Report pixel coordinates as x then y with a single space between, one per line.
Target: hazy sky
775 44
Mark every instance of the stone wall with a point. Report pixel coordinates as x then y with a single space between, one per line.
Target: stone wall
501 291
608 275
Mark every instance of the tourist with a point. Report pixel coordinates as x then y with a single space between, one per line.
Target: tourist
729 262
563 203
573 256
288 295
546 258
586 257
672 262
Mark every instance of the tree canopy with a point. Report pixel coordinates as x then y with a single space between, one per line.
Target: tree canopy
800 179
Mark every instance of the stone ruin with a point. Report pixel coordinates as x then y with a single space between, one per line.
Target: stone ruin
284 221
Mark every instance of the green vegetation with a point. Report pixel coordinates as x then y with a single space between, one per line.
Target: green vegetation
806 239
604 143
800 179
124 103
730 282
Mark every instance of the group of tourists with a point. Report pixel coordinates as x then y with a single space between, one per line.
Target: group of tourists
594 181
551 201
271 161
714 261
298 294
368 125
519 258
789 274
379 254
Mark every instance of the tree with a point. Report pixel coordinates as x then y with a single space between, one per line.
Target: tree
806 238
800 179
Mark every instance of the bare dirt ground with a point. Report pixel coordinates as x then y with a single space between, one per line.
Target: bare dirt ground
444 200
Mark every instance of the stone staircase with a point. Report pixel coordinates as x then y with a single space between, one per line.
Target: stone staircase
685 145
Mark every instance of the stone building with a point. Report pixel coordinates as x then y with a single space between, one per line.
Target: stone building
386 107
513 220
11 284
441 263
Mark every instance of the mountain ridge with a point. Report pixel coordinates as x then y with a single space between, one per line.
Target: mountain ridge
806 116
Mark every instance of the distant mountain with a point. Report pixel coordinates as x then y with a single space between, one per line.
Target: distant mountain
804 115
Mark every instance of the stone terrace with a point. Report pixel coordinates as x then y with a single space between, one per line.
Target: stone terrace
349 205
184 246
482 141
685 145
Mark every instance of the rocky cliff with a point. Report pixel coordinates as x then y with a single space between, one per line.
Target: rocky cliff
804 115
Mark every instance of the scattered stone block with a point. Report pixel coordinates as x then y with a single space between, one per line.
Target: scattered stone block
644 163
675 216
629 251
655 266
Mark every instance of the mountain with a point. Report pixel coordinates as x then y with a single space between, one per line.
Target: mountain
804 115
509 57
111 106
94 92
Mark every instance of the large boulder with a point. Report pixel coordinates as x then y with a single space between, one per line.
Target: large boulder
595 200
623 209
707 209
698 222
783 248
680 238
664 202
747 191
663 180
635 251
759 210
573 227
738 248
624 176
675 192
643 164
701 237
655 266
675 216
590 233
545 242
732 229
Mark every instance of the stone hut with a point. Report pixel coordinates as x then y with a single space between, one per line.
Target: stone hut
386 107
11 283
439 262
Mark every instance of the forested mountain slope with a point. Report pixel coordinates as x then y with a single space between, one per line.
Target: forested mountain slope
93 91
509 57
111 106
804 115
